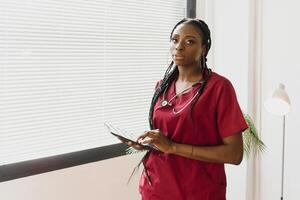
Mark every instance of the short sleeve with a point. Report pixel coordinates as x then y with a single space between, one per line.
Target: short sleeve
230 119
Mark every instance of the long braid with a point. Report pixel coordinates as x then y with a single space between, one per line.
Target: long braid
170 74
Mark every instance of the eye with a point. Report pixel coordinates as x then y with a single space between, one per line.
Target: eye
190 41
174 40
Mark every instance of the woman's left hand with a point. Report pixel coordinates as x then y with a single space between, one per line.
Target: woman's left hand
158 139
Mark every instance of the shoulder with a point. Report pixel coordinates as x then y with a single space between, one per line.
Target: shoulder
220 82
223 89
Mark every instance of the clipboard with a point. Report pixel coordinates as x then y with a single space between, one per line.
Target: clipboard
121 136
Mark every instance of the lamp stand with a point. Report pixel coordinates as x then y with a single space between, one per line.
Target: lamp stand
282 164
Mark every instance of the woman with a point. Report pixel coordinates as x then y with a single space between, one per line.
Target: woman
196 124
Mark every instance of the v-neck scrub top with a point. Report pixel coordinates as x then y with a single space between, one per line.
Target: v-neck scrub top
215 115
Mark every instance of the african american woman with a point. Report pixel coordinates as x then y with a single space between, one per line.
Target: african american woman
196 124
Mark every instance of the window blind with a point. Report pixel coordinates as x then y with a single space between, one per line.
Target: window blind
68 66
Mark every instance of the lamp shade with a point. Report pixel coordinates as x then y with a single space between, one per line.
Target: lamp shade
279 103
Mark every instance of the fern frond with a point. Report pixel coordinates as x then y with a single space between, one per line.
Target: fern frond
252 142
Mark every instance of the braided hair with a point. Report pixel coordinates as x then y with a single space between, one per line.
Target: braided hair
172 71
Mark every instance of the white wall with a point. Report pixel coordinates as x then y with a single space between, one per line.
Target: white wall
231 60
280 63
104 180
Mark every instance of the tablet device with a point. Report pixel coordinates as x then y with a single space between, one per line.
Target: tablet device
121 136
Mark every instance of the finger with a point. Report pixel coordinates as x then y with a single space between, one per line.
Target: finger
149 141
155 131
151 135
146 135
142 136
137 147
133 145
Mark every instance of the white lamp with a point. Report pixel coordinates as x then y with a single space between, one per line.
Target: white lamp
279 104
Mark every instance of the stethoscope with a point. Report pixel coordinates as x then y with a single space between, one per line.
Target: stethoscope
168 103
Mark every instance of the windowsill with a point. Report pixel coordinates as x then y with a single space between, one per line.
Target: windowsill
42 165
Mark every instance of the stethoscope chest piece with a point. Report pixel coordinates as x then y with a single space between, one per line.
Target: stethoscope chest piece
164 103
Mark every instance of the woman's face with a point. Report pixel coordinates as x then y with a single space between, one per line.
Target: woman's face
186 46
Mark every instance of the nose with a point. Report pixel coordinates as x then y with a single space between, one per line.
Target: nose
179 46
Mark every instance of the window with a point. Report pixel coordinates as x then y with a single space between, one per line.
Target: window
68 66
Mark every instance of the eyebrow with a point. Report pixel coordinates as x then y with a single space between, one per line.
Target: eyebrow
186 36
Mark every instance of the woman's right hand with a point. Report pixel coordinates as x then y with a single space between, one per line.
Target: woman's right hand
138 145
134 145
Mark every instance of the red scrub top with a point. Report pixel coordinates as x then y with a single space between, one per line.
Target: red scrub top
215 115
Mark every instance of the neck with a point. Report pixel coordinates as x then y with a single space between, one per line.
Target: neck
190 74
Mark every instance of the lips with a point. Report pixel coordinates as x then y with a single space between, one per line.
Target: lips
178 57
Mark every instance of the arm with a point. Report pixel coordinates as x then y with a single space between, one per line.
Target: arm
231 151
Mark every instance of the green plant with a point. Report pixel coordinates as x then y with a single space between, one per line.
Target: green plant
252 142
